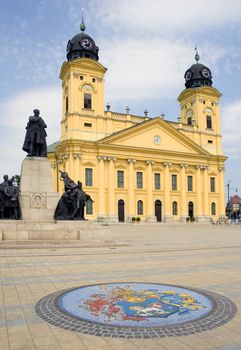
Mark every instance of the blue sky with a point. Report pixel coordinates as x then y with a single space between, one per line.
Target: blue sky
146 46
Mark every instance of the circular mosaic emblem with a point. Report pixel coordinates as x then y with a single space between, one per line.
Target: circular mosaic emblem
135 310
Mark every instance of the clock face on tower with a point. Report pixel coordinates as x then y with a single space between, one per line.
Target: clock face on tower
69 46
87 43
188 75
206 73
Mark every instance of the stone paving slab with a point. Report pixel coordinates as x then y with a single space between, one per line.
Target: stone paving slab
198 256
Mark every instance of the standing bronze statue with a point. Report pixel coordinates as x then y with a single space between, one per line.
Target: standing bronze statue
72 202
35 140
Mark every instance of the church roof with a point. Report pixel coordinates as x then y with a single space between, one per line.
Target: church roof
52 147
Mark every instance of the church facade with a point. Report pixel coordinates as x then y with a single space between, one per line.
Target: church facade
135 166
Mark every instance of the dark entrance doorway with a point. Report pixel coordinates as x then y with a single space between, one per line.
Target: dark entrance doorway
190 210
158 210
121 210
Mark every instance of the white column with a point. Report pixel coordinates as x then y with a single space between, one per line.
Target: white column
221 211
183 192
167 203
149 188
76 167
112 215
101 216
131 193
206 209
199 209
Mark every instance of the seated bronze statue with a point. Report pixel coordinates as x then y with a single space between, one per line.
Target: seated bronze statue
72 202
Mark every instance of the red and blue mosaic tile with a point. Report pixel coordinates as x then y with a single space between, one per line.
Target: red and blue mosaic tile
135 310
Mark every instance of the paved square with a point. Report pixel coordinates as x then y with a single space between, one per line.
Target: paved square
195 256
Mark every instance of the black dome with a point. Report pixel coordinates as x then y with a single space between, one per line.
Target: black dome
82 45
198 75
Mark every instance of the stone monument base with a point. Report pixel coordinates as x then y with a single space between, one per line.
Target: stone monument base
83 231
37 198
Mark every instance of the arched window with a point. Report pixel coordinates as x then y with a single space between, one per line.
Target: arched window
213 209
139 208
174 208
89 207
209 122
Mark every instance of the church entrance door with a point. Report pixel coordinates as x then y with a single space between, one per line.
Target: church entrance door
158 210
121 210
190 210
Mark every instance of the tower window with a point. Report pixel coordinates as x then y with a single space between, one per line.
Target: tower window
174 182
81 77
139 179
120 178
204 102
157 181
209 122
66 104
88 125
210 141
93 80
87 101
88 177
212 184
139 208
189 120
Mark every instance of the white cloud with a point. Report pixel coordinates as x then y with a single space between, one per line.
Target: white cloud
231 128
167 16
151 69
14 114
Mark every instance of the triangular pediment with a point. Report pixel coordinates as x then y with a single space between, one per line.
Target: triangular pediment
156 134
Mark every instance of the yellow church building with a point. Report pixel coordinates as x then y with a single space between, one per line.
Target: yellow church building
135 166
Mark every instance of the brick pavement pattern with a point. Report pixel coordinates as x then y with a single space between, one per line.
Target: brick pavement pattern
198 256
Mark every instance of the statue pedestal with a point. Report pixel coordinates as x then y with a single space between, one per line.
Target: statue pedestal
90 232
37 199
38 203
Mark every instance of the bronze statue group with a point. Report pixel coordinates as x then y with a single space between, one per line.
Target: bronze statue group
9 203
72 202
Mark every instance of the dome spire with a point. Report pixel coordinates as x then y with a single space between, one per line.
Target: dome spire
197 57
82 24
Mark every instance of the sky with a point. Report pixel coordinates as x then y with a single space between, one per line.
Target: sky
146 46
